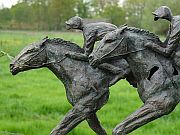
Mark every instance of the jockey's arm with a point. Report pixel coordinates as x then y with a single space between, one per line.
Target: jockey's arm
168 37
119 73
77 56
172 45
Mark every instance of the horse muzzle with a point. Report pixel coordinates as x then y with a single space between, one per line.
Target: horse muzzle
14 69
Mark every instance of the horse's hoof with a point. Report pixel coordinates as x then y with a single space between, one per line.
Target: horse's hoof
54 132
118 131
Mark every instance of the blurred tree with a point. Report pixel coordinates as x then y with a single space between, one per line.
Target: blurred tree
51 14
40 14
174 5
60 11
134 11
98 6
21 15
83 8
115 14
5 17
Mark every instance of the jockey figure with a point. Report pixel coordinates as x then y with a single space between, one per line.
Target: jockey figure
173 38
93 32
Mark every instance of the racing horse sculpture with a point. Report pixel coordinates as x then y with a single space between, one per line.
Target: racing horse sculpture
87 89
158 80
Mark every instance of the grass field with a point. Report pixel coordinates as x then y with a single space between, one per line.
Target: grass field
33 102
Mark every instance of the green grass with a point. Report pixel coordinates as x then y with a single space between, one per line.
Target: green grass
33 102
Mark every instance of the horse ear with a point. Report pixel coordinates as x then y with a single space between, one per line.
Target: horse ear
123 25
41 43
122 29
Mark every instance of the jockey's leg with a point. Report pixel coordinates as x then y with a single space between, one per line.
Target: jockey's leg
120 73
113 69
77 56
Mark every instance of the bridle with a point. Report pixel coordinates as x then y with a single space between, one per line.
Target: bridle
43 64
119 55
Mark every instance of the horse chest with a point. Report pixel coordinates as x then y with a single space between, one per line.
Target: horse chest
79 87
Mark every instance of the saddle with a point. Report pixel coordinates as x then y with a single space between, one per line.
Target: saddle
176 57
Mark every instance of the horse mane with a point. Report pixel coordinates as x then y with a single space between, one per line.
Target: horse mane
59 41
145 33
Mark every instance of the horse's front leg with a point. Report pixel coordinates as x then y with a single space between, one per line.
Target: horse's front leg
71 120
150 111
95 124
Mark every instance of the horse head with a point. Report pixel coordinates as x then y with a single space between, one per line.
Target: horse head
107 47
31 57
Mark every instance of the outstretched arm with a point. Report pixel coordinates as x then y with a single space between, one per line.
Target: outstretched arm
164 51
157 48
168 36
172 42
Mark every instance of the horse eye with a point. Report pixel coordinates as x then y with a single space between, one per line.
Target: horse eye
109 40
28 51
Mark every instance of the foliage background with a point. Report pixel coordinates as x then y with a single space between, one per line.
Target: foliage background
32 103
51 14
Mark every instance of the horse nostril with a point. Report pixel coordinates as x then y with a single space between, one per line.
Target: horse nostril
11 65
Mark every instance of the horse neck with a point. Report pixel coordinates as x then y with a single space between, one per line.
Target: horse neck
63 67
141 58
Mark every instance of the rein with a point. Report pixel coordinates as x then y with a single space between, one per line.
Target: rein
122 54
43 64
52 62
129 52
113 48
35 55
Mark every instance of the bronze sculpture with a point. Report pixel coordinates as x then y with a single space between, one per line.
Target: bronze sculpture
93 32
87 88
123 51
157 78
